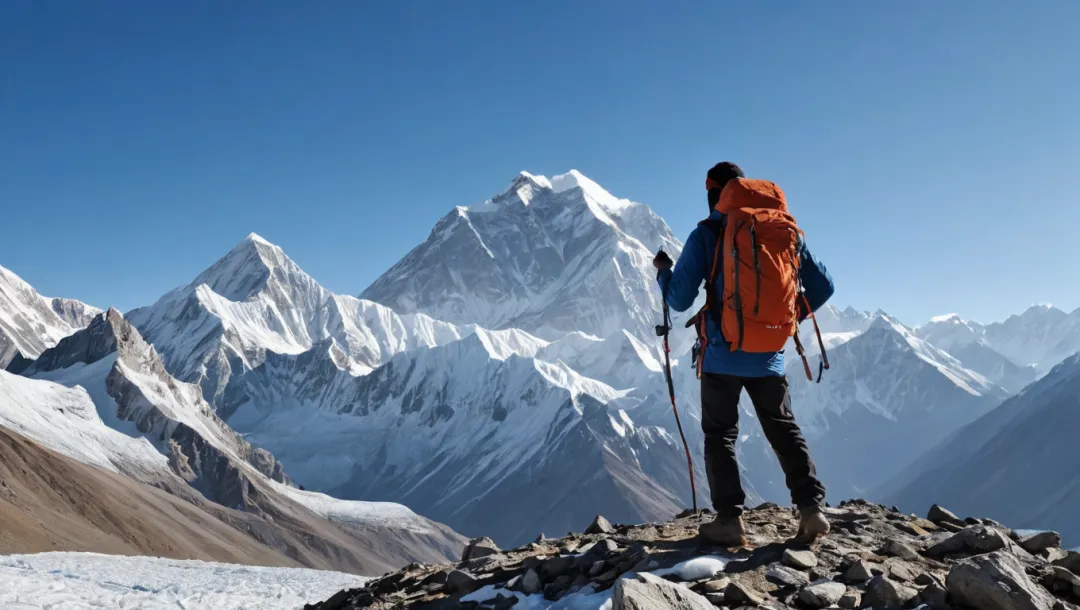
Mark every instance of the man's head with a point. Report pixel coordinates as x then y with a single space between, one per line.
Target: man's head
717 177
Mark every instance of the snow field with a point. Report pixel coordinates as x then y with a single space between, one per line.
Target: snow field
74 581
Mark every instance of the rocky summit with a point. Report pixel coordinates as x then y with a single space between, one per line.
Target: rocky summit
875 558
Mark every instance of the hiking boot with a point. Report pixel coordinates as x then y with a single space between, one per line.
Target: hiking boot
812 524
724 531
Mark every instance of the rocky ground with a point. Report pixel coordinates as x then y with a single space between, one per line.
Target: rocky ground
874 558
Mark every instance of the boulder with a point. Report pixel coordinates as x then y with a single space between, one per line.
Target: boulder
996 581
896 548
602 549
974 540
884 594
480 547
860 572
934 596
738 593
822 595
649 592
939 515
1040 542
783 576
716 586
1071 562
901 572
800 560
850 600
460 582
1054 554
600 525
530 583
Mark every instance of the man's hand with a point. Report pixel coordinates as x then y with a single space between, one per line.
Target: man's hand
662 261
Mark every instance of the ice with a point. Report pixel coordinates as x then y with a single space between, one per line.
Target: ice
698 568
90 580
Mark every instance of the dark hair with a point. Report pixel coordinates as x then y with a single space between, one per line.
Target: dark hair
724 171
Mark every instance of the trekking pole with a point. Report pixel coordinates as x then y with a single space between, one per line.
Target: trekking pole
662 331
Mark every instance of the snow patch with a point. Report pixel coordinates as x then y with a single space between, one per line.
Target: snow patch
90 580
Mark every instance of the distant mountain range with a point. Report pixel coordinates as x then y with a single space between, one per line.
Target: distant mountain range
503 378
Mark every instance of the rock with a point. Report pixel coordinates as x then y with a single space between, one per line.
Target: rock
822 595
973 540
649 592
884 594
558 588
530 583
996 581
568 547
925 579
900 572
1054 554
1071 562
934 595
784 576
896 548
859 572
460 582
738 593
597 568
600 525
850 600
800 560
480 547
1063 574
939 515
609 576
717 599
716 586
557 566
1040 542
602 549
912 528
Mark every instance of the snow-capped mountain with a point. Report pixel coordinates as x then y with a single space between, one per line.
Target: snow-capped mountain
888 397
1039 338
132 393
288 364
1018 462
31 323
256 301
1043 336
550 257
477 435
837 327
967 341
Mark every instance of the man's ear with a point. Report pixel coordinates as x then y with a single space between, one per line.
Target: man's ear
714 196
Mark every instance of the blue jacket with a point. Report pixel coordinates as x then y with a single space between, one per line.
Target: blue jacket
680 287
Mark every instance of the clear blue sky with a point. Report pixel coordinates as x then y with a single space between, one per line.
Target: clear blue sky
931 150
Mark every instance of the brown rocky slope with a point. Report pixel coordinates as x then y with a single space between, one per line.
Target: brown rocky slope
50 502
875 558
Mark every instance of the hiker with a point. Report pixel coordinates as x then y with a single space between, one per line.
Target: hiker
742 332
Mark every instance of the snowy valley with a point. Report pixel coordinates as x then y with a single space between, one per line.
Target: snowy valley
503 379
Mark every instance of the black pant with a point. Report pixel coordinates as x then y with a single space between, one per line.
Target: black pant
720 422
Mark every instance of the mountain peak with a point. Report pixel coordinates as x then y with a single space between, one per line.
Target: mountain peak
244 271
949 318
255 238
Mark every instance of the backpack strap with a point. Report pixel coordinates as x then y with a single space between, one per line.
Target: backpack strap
699 320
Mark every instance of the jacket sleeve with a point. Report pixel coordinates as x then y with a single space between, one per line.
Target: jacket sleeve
680 285
817 284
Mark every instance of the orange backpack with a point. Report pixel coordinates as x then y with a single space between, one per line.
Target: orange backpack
759 311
